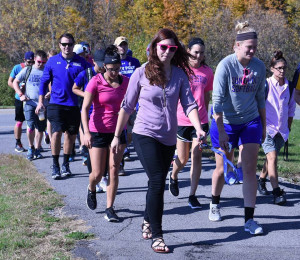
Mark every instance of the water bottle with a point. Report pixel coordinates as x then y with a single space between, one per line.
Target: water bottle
42 114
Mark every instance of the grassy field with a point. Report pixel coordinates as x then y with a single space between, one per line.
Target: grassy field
32 222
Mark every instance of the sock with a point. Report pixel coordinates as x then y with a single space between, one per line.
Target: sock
215 199
66 158
18 141
55 160
277 191
32 147
249 212
262 179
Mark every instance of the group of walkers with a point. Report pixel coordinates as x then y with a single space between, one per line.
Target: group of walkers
166 101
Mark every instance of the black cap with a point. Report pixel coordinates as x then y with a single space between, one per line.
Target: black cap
99 57
112 58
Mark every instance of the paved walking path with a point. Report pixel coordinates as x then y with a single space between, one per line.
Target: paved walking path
188 233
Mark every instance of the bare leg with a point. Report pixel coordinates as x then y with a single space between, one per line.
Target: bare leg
183 149
38 139
196 166
272 168
56 143
30 136
68 142
17 131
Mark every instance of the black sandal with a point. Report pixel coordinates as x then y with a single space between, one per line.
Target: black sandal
146 230
160 243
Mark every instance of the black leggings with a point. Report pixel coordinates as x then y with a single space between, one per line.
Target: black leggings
156 159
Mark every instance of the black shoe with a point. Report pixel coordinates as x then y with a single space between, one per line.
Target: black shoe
91 200
65 170
279 199
110 215
173 186
194 203
261 186
55 172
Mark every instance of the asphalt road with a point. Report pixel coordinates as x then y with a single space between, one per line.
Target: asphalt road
188 233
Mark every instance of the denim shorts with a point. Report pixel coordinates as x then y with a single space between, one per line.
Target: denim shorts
187 133
32 119
250 132
103 140
273 143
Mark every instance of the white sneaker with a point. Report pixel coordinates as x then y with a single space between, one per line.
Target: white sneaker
253 227
103 183
98 188
214 212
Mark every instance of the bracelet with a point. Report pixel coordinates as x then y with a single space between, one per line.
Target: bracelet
117 136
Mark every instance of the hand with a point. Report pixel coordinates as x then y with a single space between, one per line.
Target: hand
201 136
88 140
39 107
223 141
24 98
115 145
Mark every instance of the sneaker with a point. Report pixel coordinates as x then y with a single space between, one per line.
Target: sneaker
253 227
239 175
127 157
84 160
91 200
46 138
122 171
30 154
65 170
194 203
72 158
261 186
19 148
37 154
103 184
173 185
99 188
214 212
55 172
110 215
280 200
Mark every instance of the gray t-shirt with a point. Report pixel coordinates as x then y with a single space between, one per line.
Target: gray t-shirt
239 103
32 85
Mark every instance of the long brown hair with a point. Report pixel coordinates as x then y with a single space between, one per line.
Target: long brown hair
154 70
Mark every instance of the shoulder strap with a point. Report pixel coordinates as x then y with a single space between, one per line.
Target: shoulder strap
89 73
291 89
28 71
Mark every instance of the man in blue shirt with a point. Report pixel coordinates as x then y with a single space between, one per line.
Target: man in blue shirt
19 112
296 83
63 111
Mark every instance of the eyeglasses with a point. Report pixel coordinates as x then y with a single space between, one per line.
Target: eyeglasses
69 44
164 47
111 69
246 73
281 68
41 61
30 61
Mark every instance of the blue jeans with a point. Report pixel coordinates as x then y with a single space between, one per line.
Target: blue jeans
156 159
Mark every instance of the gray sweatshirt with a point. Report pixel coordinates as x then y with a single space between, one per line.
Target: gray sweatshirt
239 103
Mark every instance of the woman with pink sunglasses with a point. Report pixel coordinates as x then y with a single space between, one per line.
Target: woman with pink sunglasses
158 86
239 119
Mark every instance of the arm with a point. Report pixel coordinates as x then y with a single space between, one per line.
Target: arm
40 105
16 87
195 120
87 102
10 82
77 90
223 137
262 113
207 99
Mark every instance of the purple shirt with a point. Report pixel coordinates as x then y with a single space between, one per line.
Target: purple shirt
279 107
157 115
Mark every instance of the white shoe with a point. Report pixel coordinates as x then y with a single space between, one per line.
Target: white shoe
214 212
103 183
98 188
253 227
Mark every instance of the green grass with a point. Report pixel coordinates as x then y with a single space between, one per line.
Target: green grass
32 225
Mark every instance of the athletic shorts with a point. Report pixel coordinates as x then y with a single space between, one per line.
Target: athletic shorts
103 140
250 132
273 143
19 111
187 133
32 119
64 118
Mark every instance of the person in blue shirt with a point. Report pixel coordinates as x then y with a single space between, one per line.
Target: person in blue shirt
296 84
63 111
19 112
128 66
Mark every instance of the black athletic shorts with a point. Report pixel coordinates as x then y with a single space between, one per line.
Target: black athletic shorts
187 133
103 140
19 111
64 118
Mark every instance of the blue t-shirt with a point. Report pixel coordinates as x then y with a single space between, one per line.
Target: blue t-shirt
15 71
61 73
129 65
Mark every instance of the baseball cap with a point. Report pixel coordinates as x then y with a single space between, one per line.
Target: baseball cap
120 39
98 57
29 55
78 48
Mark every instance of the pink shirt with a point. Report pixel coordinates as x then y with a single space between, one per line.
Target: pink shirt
278 108
106 103
200 83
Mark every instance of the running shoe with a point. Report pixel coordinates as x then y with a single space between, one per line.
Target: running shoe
98 188
261 186
55 172
239 172
103 183
253 227
91 200
19 148
127 157
122 171
214 212
194 203
173 185
279 199
72 158
65 170
110 215
37 154
30 154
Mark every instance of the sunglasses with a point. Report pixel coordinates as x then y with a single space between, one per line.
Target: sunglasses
281 68
30 61
41 61
164 47
69 44
111 69
246 73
